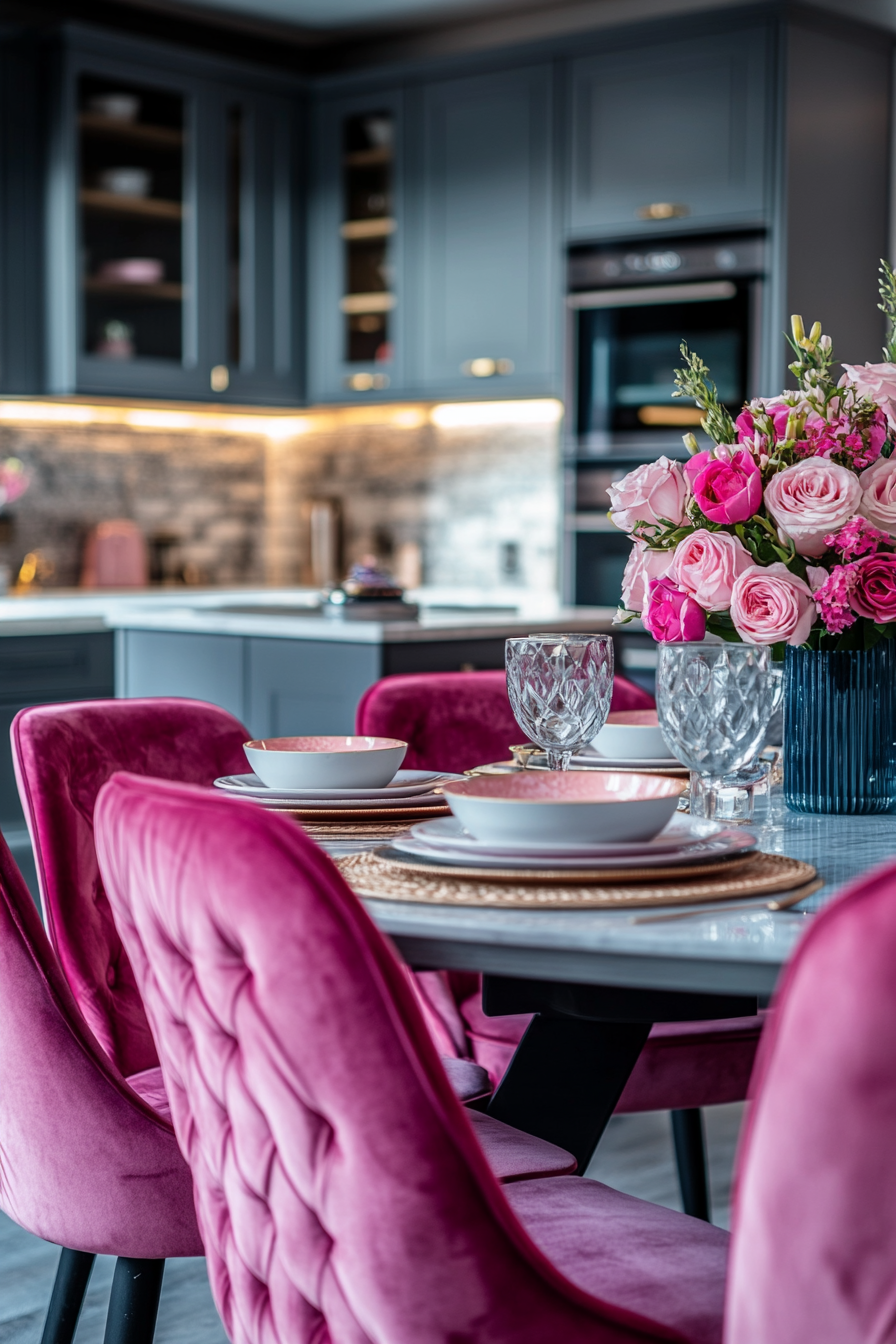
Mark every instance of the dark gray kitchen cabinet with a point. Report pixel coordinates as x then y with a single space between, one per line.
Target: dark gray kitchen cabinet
357 297
483 262
174 225
662 133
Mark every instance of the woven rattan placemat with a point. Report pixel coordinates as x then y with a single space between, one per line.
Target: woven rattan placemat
763 874
341 816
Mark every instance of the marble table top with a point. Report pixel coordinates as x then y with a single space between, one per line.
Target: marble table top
727 949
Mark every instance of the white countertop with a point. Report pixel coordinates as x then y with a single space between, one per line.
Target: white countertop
454 613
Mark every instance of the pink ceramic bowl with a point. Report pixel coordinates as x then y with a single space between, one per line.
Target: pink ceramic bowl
632 735
325 762
578 806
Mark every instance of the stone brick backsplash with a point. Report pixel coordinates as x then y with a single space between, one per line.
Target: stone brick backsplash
479 505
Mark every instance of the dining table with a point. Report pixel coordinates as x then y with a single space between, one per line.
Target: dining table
597 980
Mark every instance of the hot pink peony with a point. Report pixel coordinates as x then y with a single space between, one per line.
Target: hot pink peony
770 606
642 566
706 565
874 587
670 615
879 494
878 383
726 484
649 494
810 500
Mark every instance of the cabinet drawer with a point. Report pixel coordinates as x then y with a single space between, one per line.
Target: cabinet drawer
680 126
35 667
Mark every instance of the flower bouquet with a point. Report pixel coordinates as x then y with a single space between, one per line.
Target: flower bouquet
782 533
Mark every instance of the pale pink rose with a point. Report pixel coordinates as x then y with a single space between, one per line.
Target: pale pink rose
649 494
878 383
879 494
810 500
706 565
642 566
769 605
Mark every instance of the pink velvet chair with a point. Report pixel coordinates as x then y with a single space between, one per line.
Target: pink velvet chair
333 1207
84 1161
814 1251
455 721
63 754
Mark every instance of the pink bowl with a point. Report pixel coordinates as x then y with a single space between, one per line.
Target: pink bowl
564 806
325 762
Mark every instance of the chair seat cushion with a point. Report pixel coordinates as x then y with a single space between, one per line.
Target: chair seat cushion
683 1064
637 1255
516 1156
468 1080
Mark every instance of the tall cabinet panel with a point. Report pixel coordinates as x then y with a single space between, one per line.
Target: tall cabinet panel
173 243
670 131
484 270
356 242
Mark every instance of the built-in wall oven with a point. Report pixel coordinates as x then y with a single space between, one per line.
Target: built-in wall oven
630 307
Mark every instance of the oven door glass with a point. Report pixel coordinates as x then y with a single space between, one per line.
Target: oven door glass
627 357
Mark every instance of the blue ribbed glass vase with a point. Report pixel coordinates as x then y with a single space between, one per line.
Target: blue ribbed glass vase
840 730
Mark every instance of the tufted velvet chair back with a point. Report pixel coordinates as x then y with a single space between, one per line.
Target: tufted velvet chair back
456 720
83 1161
814 1248
63 754
341 1194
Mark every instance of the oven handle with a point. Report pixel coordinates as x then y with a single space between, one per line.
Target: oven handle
698 292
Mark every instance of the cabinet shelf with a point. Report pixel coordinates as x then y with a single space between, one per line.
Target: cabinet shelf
110 128
367 303
368 158
355 229
108 203
165 291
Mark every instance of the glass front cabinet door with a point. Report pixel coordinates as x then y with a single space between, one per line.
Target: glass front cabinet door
172 234
356 239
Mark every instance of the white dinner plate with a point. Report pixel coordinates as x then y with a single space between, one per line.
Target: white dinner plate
679 834
720 847
422 801
406 784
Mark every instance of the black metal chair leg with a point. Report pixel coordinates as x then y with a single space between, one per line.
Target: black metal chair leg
690 1157
134 1301
67 1297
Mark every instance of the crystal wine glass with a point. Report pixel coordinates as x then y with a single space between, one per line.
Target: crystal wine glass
714 703
560 688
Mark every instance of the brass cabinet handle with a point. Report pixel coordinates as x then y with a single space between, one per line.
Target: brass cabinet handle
220 378
367 382
486 367
662 210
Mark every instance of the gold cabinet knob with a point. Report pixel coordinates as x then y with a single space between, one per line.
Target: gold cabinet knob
662 210
486 368
220 378
367 382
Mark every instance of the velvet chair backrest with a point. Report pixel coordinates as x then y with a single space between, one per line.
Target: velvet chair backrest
814 1246
83 1161
339 1188
456 720
63 754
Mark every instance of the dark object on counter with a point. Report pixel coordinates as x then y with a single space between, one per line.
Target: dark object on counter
369 594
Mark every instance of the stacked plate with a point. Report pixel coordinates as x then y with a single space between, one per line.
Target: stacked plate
408 797
684 841
590 759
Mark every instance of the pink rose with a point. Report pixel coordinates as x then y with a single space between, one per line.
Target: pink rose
726 483
649 494
671 616
874 587
643 565
706 565
746 424
879 494
812 499
770 605
878 383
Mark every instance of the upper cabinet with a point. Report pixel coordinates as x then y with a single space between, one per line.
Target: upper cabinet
483 261
356 245
173 231
670 132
